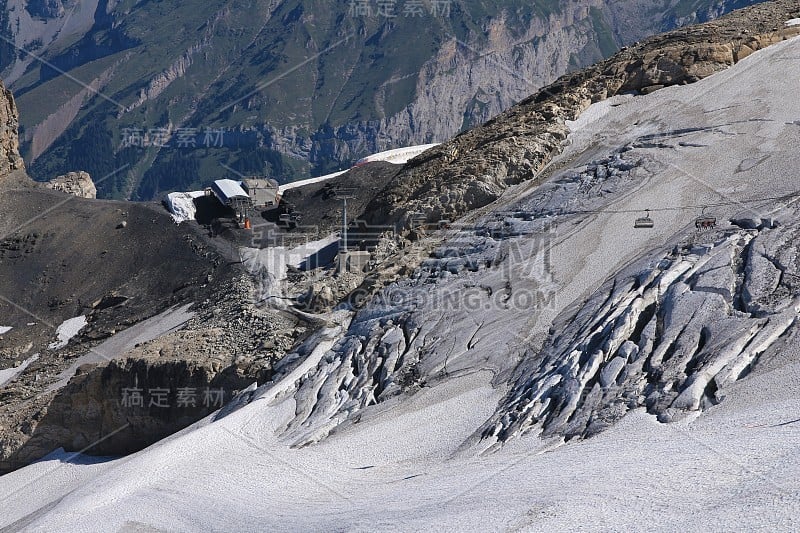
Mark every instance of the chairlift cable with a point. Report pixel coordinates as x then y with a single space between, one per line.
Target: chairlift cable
681 208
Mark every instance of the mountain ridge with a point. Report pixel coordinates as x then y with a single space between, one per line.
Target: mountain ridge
464 178
362 88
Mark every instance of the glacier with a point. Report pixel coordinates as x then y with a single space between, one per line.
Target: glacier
461 397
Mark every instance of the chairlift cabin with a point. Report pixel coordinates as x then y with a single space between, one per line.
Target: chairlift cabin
704 222
644 222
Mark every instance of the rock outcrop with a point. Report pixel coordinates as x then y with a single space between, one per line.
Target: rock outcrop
137 396
10 159
123 407
79 184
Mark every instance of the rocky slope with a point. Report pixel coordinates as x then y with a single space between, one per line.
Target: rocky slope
127 274
475 168
143 382
221 78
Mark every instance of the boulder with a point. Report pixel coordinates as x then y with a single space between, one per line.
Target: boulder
76 183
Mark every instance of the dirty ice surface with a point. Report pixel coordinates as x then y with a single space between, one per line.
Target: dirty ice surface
116 346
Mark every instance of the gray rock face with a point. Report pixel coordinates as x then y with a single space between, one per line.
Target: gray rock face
79 184
123 407
139 394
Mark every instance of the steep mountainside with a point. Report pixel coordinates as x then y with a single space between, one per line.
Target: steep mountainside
474 168
546 366
180 91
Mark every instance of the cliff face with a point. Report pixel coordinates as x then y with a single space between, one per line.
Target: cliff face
10 159
133 403
126 380
464 84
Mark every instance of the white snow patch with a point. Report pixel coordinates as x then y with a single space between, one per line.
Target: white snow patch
5 329
397 156
793 22
67 330
7 375
309 181
181 205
